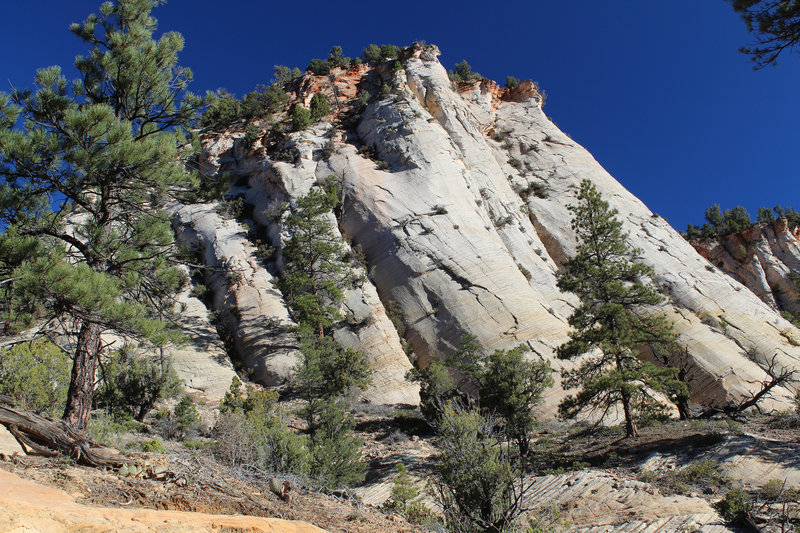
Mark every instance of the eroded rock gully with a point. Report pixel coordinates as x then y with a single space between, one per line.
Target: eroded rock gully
462 226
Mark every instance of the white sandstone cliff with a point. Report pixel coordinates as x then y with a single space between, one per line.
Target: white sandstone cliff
463 228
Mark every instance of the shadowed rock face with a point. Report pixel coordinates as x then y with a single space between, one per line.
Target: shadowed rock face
762 257
463 225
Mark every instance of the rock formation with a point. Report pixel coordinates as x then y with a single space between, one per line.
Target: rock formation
457 195
763 258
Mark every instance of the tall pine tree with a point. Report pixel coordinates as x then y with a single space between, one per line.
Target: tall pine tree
612 322
85 167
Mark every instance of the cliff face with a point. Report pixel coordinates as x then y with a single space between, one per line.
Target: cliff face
462 218
764 258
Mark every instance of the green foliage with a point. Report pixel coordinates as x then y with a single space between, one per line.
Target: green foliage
301 118
186 414
479 487
734 506
406 500
335 450
721 223
328 370
612 290
403 491
102 146
153 446
263 101
318 67
35 374
251 134
283 74
316 271
437 389
223 110
253 429
508 386
132 384
375 55
512 82
775 25
312 281
372 54
320 107
336 60
463 72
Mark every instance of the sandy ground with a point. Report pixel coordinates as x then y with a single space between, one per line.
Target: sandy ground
26 506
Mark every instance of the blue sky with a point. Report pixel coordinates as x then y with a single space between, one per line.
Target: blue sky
657 91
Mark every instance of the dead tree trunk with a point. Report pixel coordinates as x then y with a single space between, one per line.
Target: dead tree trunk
39 435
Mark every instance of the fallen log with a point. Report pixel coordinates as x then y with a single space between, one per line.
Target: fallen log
40 435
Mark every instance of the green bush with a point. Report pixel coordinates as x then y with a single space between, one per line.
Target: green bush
335 58
283 74
320 67
463 72
253 429
512 82
372 54
132 384
320 107
301 118
734 506
479 487
335 450
153 446
251 134
36 374
222 111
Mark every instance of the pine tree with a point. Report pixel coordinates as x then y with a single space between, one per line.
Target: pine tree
775 25
313 281
612 318
85 168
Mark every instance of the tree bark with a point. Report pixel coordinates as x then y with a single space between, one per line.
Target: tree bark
81 384
39 435
630 424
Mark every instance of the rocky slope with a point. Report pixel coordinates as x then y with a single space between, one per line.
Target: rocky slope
457 195
763 257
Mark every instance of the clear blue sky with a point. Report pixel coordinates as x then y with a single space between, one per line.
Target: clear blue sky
657 91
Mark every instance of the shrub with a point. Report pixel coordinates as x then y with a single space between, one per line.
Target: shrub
512 82
389 51
463 72
251 135
253 428
320 67
223 110
36 374
154 446
186 414
132 384
734 506
283 74
320 107
403 491
335 58
372 54
479 488
335 450
437 389
301 118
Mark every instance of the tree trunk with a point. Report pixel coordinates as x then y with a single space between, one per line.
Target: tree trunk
81 384
39 435
630 424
